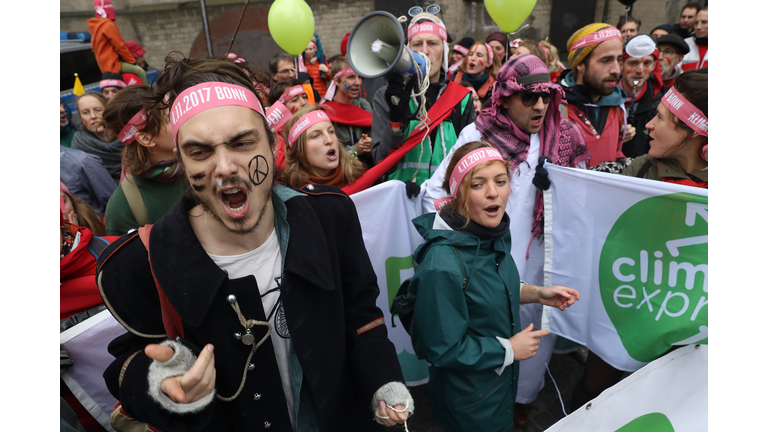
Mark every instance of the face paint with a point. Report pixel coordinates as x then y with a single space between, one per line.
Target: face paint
198 188
346 87
480 62
259 169
198 176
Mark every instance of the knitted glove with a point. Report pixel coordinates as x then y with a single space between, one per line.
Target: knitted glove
541 179
179 364
393 393
411 189
398 112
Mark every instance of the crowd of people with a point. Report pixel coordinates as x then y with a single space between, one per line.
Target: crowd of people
257 248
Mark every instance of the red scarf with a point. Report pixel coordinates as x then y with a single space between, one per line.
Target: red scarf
348 114
686 182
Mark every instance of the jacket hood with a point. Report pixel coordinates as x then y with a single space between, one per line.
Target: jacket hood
96 23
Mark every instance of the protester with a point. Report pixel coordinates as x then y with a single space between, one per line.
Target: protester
639 82
499 42
110 84
108 46
594 100
314 154
393 122
86 177
75 211
684 28
138 53
310 328
66 128
553 59
282 66
662 30
531 47
628 26
679 139
92 137
672 49
460 50
479 68
523 122
308 83
350 113
698 44
678 154
469 328
291 93
152 184
315 67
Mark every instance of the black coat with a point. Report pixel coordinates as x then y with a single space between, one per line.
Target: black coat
328 291
645 111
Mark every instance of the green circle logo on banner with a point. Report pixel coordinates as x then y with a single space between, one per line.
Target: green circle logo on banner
653 274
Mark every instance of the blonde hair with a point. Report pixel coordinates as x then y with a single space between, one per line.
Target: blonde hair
297 168
460 205
492 68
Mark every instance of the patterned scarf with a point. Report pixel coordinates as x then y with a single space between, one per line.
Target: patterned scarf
561 142
162 171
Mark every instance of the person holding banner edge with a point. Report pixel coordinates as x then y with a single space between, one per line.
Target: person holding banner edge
466 321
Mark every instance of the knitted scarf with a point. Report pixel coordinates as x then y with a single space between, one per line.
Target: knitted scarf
161 171
335 179
561 142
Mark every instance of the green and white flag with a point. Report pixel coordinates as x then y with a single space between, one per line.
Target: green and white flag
636 250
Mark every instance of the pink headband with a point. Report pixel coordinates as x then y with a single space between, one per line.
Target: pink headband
112 83
305 122
260 86
490 54
277 115
546 50
201 97
460 49
135 124
344 72
312 44
292 93
427 27
469 161
596 38
685 111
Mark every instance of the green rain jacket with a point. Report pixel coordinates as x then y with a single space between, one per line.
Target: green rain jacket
455 330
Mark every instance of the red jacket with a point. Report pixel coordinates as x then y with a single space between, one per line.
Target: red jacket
108 46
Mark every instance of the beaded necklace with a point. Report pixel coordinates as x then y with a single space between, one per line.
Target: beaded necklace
588 123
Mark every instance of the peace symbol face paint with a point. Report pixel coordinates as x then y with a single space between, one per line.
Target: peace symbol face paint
258 167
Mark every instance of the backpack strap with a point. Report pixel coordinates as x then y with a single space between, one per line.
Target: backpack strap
463 273
135 200
171 319
644 169
96 246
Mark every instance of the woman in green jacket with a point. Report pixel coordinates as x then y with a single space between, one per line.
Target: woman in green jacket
466 318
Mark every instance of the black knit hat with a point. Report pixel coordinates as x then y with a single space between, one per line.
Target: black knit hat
666 27
466 42
675 41
111 79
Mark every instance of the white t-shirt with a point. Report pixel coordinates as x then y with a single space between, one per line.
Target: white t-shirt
266 265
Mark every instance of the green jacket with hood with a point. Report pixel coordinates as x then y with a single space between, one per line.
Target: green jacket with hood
455 329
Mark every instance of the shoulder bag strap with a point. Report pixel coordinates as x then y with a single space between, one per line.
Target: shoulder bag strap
171 319
135 200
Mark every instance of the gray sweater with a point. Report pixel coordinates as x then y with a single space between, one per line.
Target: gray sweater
110 153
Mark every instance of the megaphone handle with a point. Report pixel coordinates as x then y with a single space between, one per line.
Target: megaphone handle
396 99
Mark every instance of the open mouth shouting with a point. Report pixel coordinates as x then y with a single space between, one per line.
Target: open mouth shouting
234 201
536 120
492 211
332 154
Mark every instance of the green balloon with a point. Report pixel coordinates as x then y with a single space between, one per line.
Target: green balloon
509 14
291 24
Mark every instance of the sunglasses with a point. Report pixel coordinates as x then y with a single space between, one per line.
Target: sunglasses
530 99
431 9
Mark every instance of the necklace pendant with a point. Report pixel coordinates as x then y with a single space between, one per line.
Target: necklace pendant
248 338
598 137
587 122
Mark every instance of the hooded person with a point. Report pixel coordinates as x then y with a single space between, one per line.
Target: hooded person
640 66
108 46
595 102
395 107
523 122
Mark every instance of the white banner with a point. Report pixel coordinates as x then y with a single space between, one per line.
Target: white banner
667 395
636 250
385 214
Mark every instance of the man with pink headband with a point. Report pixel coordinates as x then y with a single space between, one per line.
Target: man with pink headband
251 305
594 100
523 122
394 110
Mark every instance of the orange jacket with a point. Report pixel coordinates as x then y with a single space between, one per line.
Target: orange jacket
318 84
107 44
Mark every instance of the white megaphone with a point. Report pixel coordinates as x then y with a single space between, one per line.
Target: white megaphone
377 45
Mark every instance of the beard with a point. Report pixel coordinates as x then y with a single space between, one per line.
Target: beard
598 86
240 227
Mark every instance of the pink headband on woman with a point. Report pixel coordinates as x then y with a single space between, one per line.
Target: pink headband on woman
305 122
427 27
292 93
461 49
312 44
205 96
686 112
490 54
469 161
596 38
135 124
